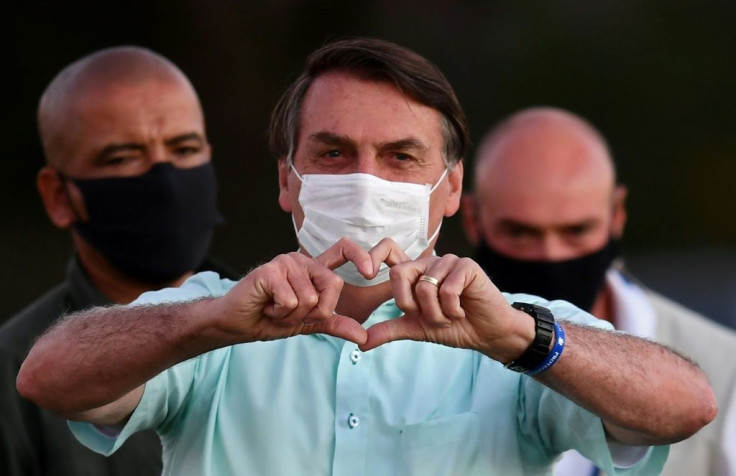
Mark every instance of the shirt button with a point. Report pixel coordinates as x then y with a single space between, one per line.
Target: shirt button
353 421
355 356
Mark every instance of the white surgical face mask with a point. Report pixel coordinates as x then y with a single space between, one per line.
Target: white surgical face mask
365 209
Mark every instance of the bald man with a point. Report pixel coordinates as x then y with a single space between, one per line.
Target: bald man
128 173
546 217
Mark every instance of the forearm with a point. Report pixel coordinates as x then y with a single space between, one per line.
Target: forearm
645 393
96 357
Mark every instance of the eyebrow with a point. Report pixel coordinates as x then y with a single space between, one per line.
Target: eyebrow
329 138
193 136
113 149
510 222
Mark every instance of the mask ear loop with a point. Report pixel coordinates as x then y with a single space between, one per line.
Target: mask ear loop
442 177
290 161
435 234
434 187
301 179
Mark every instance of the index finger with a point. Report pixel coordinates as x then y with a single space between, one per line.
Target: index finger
389 252
347 250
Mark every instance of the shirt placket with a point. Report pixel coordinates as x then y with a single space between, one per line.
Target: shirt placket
352 418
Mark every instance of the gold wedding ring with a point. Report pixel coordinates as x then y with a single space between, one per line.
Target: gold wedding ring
429 279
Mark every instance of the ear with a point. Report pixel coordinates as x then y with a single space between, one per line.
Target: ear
455 180
470 218
618 220
284 198
55 197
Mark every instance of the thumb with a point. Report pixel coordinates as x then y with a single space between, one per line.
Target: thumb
339 326
400 328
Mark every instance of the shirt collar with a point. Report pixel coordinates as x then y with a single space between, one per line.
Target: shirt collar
634 312
81 290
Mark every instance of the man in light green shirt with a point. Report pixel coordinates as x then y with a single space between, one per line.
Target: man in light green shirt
316 404
324 361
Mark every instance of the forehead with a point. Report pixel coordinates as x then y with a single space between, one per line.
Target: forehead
130 103
543 198
544 205
545 173
120 113
366 111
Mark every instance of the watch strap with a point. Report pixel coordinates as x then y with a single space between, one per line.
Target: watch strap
536 353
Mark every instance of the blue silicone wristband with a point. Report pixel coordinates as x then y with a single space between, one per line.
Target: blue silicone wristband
554 354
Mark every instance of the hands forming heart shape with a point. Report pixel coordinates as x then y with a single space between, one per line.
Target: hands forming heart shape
296 294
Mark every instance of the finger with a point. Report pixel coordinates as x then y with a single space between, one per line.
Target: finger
339 326
428 291
456 272
347 250
401 328
402 277
452 289
297 276
387 251
273 290
328 286
427 297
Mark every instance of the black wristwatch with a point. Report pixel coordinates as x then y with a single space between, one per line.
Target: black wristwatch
539 348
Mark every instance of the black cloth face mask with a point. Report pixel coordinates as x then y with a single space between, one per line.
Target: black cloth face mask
577 280
153 227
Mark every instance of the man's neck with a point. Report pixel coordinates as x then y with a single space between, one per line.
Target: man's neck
359 302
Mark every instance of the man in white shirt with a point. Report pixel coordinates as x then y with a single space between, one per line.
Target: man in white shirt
546 216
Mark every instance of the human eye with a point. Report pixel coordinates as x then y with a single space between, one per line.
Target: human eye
119 160
332 153
186 151
579 231
403 157
520 232
120 164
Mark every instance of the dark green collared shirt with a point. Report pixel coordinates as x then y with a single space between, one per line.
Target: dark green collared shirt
35 442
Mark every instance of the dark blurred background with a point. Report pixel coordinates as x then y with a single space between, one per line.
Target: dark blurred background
656 77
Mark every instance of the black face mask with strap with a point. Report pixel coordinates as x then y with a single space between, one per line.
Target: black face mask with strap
153 227
577 280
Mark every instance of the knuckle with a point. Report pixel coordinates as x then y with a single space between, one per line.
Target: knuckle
280 260
389 242
297 256
446 293
289 303
396 272
310 300
406 304
335 281
467 262
269 268
343 242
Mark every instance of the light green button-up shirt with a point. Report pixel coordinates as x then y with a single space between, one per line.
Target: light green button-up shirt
317 405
